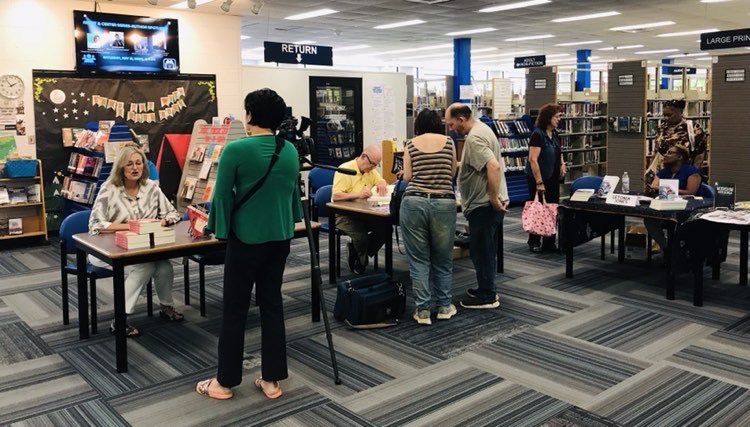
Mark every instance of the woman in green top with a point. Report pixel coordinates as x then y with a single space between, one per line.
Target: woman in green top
258 234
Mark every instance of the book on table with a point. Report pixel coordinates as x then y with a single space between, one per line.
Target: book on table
144 226
381 200
130 240
676 204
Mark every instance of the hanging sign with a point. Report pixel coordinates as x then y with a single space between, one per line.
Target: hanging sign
725 39
625 80
530 61
290 53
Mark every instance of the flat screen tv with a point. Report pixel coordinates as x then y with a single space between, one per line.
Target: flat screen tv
109 43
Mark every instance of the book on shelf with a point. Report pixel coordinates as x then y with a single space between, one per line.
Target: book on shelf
4 195
67 137
78 191
33 193
4 226
85 165
205 168
199 151
188 188
84 138
15 226
17 195
144 226
636 124
208 191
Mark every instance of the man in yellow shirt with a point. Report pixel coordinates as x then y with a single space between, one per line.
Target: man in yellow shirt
367 236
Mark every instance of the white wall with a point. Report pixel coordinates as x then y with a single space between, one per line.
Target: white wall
38 34
293 84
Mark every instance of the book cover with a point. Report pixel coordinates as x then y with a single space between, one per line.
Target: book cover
188 188
725 194
215 153
32 193
198 220
609 183
199 151
4 196
67 137
669 188
15 226
623 123
636 124
17 196
582 195
208 191
205 168
613 125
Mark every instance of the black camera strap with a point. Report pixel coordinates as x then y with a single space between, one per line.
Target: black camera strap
279 145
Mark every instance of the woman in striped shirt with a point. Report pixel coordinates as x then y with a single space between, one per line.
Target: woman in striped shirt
428 215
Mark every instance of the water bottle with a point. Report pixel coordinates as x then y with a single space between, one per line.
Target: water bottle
625 183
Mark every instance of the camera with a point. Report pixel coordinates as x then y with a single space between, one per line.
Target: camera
293 130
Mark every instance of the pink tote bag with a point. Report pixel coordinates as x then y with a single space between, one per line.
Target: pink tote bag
539 217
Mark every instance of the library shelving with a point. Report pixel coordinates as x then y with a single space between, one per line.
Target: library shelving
23 215
513 136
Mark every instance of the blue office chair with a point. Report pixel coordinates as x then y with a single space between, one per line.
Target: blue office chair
706 191
75 223
213 258
323 196
593 183
318 178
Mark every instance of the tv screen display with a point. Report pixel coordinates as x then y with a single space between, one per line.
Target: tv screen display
109 43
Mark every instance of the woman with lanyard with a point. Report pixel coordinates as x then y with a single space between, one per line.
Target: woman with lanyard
545 167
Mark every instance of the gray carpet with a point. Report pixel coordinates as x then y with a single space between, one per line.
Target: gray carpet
602 349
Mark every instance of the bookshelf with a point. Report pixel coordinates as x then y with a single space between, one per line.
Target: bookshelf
30 214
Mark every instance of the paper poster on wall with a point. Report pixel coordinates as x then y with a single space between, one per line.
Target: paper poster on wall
7 144
466 92
389 112
377 124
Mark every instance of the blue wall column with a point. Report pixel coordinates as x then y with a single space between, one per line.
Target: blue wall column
461 65
665 71
583 75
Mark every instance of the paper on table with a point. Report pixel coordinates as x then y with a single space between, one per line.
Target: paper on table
382 200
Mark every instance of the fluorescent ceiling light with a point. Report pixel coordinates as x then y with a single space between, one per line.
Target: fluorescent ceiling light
184 4
255 49
630 46
244 37
688 33
688 55
509 6
647 52
416 49
520 39
313 14
400 24
714 1
579 43
589 16
486 49
474 31
607 48
704 59
348 48
643 26
505 54
558 55
304 42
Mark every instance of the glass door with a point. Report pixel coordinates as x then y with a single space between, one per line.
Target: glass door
336 110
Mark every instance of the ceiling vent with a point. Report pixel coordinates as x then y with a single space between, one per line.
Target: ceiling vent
428 1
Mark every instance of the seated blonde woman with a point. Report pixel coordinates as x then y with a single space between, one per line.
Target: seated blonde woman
128 194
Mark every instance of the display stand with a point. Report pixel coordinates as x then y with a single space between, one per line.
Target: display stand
207 138
32 214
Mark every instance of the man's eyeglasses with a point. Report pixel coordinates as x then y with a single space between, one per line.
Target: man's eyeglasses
370 160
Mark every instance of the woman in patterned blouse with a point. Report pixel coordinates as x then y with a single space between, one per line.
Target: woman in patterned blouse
128 194
675 130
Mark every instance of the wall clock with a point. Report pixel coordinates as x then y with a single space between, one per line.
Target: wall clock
11 86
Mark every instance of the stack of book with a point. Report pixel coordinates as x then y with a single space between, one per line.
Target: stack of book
139 234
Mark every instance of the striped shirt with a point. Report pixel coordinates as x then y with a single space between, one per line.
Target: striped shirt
431 172
114 205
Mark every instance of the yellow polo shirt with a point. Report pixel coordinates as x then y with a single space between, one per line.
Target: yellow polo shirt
354 183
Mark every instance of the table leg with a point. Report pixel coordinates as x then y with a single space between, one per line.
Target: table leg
315 295
621 242
83 295
716 270
698 280
389 252
568 239
671 255
743 258
500 250
332 247
612 242
121 345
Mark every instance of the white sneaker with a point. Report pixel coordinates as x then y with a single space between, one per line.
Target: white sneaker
446 312
422 317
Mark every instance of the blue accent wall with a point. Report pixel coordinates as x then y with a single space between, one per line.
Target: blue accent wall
583 75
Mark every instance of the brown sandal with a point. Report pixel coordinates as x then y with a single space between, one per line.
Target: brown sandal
168 312
272 394
204 388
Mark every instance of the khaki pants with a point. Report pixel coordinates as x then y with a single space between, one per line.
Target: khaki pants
368 236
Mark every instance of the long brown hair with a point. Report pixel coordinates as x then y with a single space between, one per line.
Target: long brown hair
546 113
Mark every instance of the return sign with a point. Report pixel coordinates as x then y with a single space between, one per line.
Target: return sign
290 53
725 39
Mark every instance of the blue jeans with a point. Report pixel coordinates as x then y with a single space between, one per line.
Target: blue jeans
483 226
429 229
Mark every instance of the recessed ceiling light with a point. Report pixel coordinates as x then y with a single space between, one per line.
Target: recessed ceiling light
647 52
244 37
474 31
486 49
313 14
637 27
683 55
184 4
520 39
416 49
348 48
688 33
509 6
579 43
589 16
304 42
400 24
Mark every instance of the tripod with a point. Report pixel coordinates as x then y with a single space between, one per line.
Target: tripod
318 299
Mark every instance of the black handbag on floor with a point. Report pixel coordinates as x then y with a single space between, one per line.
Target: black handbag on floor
369 302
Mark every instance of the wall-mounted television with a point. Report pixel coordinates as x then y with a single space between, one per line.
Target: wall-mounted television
110 43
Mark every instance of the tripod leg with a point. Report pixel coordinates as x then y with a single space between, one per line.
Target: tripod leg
318 288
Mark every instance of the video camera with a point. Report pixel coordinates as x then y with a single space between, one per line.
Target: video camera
294 130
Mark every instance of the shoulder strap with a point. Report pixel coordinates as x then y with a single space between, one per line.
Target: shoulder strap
279 145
